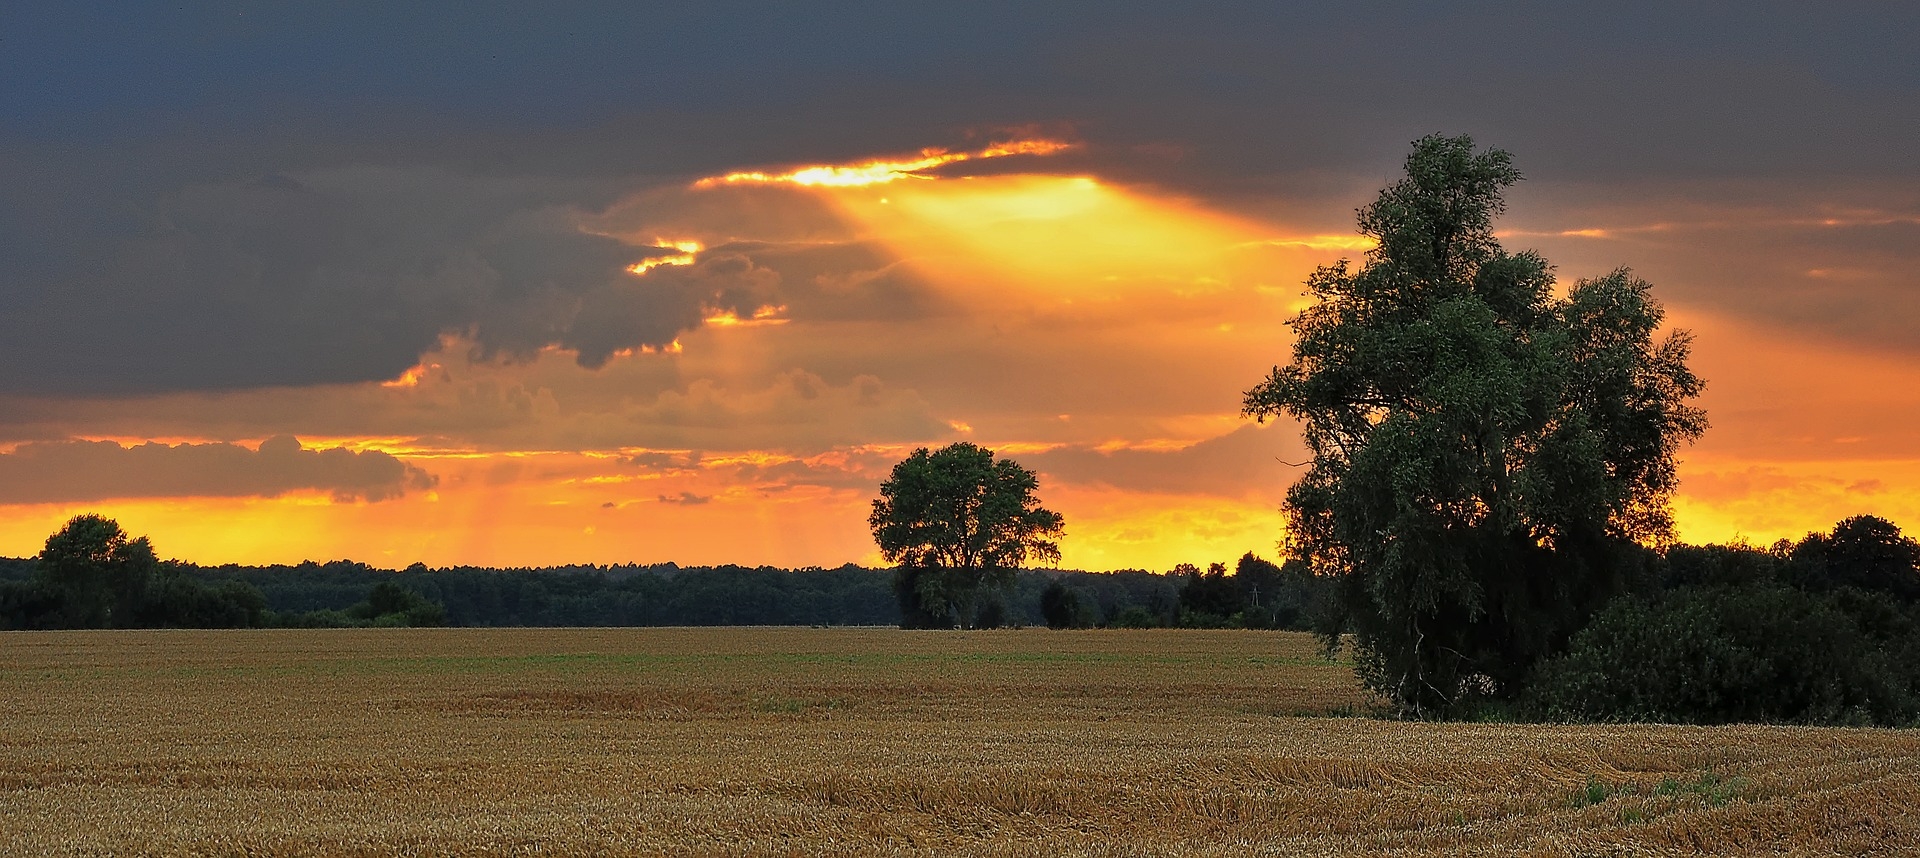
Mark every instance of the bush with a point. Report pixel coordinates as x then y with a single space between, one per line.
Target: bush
1206 620
1764 652
1060 606
173 600
29 605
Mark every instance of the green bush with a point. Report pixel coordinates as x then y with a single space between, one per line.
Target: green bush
1060 606
1763 652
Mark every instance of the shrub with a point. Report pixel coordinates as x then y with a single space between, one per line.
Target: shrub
1060 606
1761 653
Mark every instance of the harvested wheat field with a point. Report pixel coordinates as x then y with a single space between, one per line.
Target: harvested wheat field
860 742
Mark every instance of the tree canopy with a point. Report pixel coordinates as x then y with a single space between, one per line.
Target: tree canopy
955 521
98 571
93 574
1866 552
1487 455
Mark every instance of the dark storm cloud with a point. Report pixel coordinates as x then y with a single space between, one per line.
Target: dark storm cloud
341 276
1692 85
69 471
235 197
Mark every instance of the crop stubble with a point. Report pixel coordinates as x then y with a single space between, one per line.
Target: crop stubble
860 741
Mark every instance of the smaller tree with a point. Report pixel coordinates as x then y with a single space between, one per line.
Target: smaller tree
1212 598
1864 551
389 604
955 521
98 574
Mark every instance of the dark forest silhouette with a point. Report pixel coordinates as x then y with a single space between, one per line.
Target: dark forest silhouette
347 593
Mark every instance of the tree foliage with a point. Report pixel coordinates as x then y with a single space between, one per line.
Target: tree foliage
955 521
389 604
93 574
1487 456
99 572
1257 595
1865 552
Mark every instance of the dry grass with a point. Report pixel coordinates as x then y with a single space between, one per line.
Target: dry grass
864 742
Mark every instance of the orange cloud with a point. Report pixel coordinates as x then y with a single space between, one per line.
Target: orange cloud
880 172
1759 501
80 470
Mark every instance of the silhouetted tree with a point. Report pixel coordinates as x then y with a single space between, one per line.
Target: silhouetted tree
1486 457
1866 552
1210 598
1721 566
956 521
92 574
98 573
389 604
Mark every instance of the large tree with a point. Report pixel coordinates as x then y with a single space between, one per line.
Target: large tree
956 521
1487 456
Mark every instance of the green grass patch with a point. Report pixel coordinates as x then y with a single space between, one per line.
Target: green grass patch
1710 786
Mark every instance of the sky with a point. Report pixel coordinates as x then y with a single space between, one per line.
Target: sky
609 283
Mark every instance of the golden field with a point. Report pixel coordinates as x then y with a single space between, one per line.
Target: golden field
860 742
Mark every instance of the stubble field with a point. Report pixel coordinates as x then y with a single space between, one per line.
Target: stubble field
860 742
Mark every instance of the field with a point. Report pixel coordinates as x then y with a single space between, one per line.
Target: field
860 742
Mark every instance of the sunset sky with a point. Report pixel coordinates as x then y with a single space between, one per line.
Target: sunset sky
569 284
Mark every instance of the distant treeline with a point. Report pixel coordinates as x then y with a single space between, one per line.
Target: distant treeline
138 591
670 595
619 595
93 575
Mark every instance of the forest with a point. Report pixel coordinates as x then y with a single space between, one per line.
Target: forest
1257 594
